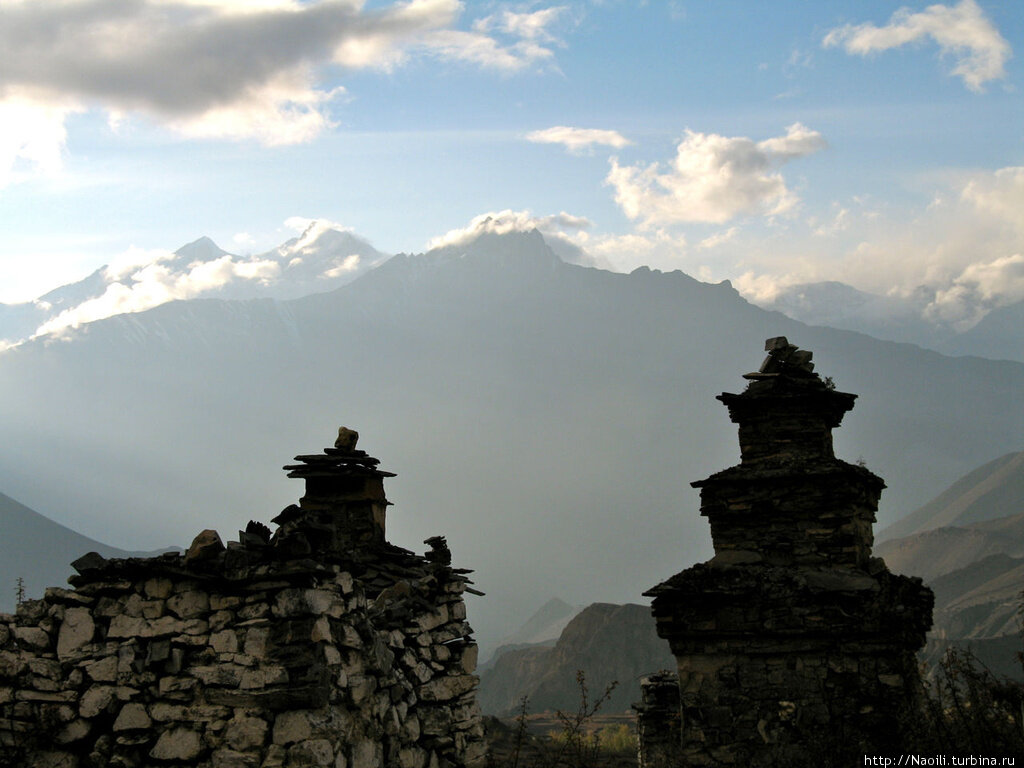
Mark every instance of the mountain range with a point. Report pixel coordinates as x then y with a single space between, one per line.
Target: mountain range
544 416
995 333
324 257
320 259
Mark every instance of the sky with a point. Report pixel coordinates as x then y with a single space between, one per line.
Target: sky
768 143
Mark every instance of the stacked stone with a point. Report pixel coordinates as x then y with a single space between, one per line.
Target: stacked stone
307 648
793 644
657 720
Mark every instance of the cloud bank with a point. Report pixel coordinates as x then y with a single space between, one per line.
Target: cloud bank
962 32
142 280
223 69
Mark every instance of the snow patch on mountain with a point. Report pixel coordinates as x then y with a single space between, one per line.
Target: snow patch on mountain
323 257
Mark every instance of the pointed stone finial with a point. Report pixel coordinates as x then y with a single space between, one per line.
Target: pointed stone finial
347 439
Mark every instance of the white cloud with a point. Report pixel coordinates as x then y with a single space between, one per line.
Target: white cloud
221 69
839 223
342 265
132 260
153 283
999 195
713 179
577 140
950 262
762 289
32 134
529 26
485 51
982 286
719 238
503 222
309 231
659 249
961 31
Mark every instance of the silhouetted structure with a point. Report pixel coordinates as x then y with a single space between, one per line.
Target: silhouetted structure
792 643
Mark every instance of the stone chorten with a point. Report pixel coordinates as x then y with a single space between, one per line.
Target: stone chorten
793 643
318 645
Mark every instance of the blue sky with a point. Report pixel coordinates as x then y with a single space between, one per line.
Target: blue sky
769 143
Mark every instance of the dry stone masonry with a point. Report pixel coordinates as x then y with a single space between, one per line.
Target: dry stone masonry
793 644
318 645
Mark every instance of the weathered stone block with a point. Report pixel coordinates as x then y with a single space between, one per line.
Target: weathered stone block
95 700
132 717
180 744
315 753
291 727
32 638
76 630
189 605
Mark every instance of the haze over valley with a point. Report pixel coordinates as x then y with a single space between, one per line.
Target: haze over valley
546 417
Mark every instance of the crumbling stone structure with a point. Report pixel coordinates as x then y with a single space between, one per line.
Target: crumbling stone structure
793 644
319 645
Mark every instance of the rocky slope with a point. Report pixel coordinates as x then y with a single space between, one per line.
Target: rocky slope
974 562
992 491
608 643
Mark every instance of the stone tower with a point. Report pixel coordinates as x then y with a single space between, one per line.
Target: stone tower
792 643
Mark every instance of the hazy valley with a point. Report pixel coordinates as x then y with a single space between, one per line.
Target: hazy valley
545 416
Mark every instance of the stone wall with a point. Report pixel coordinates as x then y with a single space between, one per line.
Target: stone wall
320 645
794 646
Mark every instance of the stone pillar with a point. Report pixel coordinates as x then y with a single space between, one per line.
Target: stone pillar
792 642
344 505
657 720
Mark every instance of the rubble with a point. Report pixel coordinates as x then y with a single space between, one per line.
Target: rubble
319 645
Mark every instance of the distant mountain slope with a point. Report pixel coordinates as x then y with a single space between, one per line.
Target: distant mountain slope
609 643
998 336
542 628
546 417
979 607
936 552
975 566
40 551
993 490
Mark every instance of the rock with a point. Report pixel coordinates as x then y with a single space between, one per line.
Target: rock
75 631
315 752
176 744
132 717
246 733
347 439
91 561
96 699
205 547
290 727
32 637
